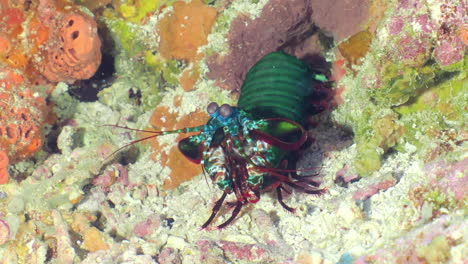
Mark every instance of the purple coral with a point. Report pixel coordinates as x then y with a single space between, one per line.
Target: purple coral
342 18
449 51
415 35
410 34
251 39
451 178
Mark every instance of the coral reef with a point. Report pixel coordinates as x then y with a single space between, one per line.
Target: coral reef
392 154
433 243
403 67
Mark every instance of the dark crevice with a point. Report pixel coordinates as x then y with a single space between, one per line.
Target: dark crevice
87 90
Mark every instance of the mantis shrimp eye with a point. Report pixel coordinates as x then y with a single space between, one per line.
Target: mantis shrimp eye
212 108
225 110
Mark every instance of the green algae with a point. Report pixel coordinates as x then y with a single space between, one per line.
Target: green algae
403 83
169 69
440 108
135 11
130 49
438 251
125 35
412 105
439 200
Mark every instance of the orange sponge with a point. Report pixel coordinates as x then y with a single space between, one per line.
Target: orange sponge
5 45
52 37
22 114
3 167
189 78
185 29
73 52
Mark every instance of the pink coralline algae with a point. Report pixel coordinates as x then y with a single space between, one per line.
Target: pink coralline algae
169 256
449 51
431 243
451 178
248 252
342 18
445 190
411 36
148 226
344 178
415 35
113 173
372 189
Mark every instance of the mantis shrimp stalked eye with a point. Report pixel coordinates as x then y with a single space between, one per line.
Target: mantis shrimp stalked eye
245 149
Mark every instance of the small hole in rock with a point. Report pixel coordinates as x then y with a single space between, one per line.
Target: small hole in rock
88 89
70 23
27 5
75 35
10 132
27 134
72 52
